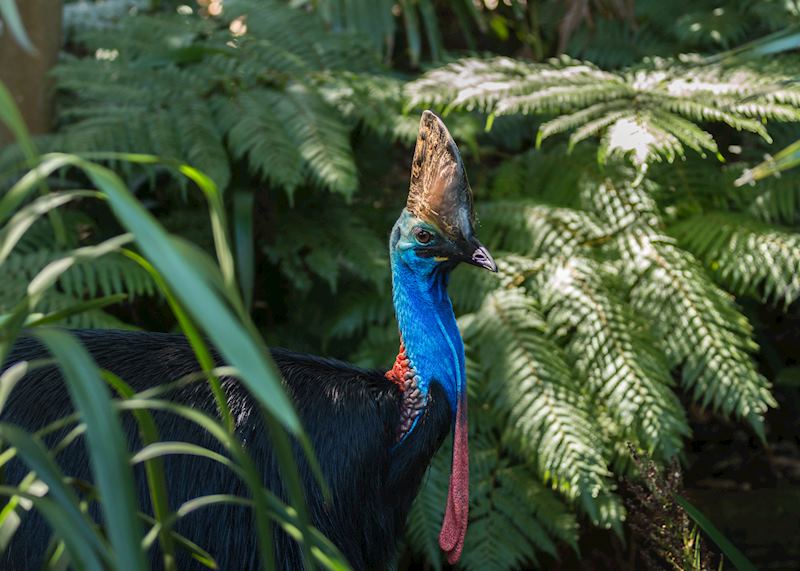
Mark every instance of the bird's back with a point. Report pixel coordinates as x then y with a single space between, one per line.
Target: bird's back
350 415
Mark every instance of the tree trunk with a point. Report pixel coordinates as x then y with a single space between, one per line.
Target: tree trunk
25 74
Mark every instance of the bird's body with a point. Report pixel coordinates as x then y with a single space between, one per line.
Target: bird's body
373 432
373 482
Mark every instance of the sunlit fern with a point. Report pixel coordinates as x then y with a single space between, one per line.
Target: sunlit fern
651 112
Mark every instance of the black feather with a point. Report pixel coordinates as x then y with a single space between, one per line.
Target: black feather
350 415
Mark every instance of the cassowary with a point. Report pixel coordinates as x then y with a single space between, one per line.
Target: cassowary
374 432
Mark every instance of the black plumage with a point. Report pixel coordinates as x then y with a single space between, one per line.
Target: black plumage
350 414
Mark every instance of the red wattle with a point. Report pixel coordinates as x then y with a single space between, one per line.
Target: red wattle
456 514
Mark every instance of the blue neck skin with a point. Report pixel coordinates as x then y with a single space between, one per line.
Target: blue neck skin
425 316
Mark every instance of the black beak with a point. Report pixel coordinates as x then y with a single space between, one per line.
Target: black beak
482 258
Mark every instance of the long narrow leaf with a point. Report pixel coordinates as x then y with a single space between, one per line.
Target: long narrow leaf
25 217
266 504
12 118
44 280
243 231
10 16
198 553
76 309
730 551
233 340
219 224
785 159
202 352
106 444
59 522
154 468
31 180
35 455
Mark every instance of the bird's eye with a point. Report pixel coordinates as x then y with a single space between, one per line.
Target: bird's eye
423 236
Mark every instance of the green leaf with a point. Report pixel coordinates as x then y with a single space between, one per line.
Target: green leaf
14 373
154 469
785 159
106 444
266 504
411 20
728 549
90 550
24 218
10 115
198 553
60 522
12 21
76 309
17 193
780 41
431 29
243 231
193 288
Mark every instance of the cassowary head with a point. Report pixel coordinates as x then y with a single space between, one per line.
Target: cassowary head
436 229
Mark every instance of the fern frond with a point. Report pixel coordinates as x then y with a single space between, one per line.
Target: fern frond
188 88
696 323
357 311
612 348
615 43
110 274
650 110
723 28
549 417
777 200
748 256
537 230
54 301
620 205
553 176
702 331
378 346
322 139
254 129
324 239
201 141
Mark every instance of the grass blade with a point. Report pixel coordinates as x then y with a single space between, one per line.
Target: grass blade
728 549
10 15
198 553
240 348
33 452
153 467
25 217
78 308
243 232
266 504
106 444
784 159
60 523
12 375
12 118
44 280
196 341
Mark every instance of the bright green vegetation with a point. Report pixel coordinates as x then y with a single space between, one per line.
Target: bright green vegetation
605 187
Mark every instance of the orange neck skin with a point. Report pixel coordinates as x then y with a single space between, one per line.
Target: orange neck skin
402 365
